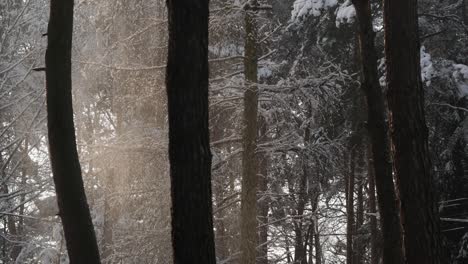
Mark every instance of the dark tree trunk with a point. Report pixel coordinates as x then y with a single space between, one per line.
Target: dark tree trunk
249 237
189 145
350 209
378 130
419 210
311 243
73 207
288 252
300 256
318 247
317 244
374 253
359 246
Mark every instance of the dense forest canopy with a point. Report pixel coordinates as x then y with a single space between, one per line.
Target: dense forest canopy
336 131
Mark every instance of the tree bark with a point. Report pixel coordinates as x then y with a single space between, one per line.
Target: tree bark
378 130
300 256
419 210
350 209
374 253
249 240
73 207
189 145
317 244
359 247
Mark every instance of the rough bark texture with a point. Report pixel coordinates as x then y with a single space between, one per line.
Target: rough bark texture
378 130
419 211
189 146
71 197
248 243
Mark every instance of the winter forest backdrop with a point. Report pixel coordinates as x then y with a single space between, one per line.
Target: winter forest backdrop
312 196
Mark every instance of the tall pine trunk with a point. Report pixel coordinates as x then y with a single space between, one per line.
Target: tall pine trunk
189 145
378 130
73 207
419 210
249 239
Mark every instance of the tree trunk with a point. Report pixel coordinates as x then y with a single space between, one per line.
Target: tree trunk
73 207
299 250
378 130
110 217
248 243
359 246
263 213
311 242
317 244
372 209
350 209
189 145
419 210
318 247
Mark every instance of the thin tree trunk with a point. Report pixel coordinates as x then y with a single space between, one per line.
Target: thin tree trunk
350 210
378 130
73 207
288 252
249 236
263 213
109 218
359 246
318 247
317 244
311 242
189 145
299 250
372 209
419 210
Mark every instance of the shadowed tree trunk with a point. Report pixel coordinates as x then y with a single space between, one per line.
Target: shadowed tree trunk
359 246
315 235
378 130
300 256
350 208
374 254
189 146
249 237
419 210
73 207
